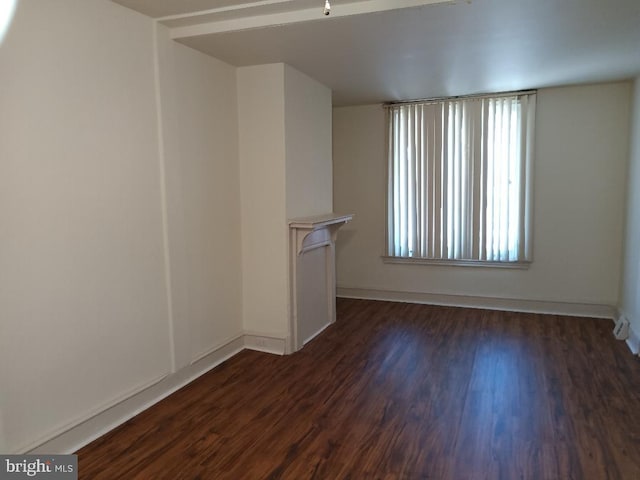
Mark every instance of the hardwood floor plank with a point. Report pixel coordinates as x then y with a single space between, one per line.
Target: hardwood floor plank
400 391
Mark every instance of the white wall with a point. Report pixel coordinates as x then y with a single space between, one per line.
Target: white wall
263 203
285 172
85 178
200 135
630 293
82 290
308 145
580 172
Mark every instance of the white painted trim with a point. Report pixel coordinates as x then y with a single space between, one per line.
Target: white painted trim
454 263
199 356
318 332
225 9
492 303
76 435
163 198
633 342
306 234
88 415
265 343
274 13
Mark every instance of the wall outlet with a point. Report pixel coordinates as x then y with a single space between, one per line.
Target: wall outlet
621 330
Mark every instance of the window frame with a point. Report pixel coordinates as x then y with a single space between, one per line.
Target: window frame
522 264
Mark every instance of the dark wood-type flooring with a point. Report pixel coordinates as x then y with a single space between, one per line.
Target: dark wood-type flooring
400 391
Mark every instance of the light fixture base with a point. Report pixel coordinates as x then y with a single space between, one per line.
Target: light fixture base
327 7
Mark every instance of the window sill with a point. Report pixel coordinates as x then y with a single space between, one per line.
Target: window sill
455 263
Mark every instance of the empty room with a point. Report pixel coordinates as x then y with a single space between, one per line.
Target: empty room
320 239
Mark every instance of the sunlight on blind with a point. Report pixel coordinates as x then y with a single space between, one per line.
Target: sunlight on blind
459 179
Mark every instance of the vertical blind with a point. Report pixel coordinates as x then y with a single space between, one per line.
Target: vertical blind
459 180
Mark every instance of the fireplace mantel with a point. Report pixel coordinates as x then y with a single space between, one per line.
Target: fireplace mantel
307 225
312 275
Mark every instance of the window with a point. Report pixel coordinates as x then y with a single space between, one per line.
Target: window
459 180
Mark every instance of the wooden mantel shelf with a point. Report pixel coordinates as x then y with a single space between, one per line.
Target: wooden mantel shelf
319 221
307 231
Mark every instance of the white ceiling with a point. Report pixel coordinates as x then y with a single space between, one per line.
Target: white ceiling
370 55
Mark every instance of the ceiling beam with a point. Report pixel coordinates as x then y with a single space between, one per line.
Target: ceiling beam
268 13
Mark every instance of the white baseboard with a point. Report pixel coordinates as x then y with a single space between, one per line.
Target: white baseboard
317 333
491 303
267 343
633 342
77 436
